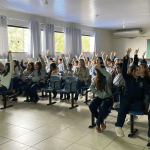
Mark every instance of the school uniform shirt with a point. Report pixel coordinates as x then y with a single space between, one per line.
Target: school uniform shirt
109 69
67 73
118 80
24 75
16 72
35 77
5 80
107 92
61 67
89 67
74 68
83 73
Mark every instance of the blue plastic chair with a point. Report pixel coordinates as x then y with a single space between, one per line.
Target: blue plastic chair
85 88
70 87
55 84
4 93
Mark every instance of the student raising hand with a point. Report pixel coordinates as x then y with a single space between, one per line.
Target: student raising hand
40 56
128 51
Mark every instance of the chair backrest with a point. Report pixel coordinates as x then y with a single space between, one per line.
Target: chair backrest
57 84
73 85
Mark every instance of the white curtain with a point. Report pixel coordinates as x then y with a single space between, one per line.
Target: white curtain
96 42
4 48
35 40
73 41
48 39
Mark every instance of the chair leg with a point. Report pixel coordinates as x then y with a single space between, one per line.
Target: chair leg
4 102
72 102
132 130
50 100
93 124
64 98
86 98
43 96
27 99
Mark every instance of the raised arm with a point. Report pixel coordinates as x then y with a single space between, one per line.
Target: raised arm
124 66
42 62
136 60
105 62
57 60
103 53
143 60
114 55
64 62
93 56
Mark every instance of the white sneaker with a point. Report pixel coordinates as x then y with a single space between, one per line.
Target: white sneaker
80 96
75 102
129 121
116 105
119 132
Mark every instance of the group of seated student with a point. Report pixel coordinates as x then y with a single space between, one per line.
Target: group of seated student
107 74
136 80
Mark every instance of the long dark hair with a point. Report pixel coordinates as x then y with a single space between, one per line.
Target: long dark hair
32 64
53 65
17 64
132 70
100 81
5 72
40 67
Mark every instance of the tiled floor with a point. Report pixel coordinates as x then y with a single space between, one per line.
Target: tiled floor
41 127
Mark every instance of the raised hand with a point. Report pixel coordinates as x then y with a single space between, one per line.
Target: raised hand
69 53
114 53
143 55
136 51
107 55
94 53
57 56
37 59
22 60
111 53
128 51
82 53
47 51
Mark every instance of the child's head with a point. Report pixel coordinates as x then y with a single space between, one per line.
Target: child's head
119 68
89 63
38 66
69 67
99 60
112 64
81 63
108 61
134 71
50 60
30 66
16 63
53 66
116 60
76 63
131 60
73 59
143 69
59 61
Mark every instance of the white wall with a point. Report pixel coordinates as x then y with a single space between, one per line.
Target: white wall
105 36
122 44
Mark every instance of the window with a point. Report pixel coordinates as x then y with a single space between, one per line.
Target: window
18 39
87 43
59 42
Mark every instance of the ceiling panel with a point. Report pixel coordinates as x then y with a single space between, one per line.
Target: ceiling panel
112 14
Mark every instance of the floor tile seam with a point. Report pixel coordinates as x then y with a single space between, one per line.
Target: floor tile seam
34 144
129 143
32 129
6 141
110 143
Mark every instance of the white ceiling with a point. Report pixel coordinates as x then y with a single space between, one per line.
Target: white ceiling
112 13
